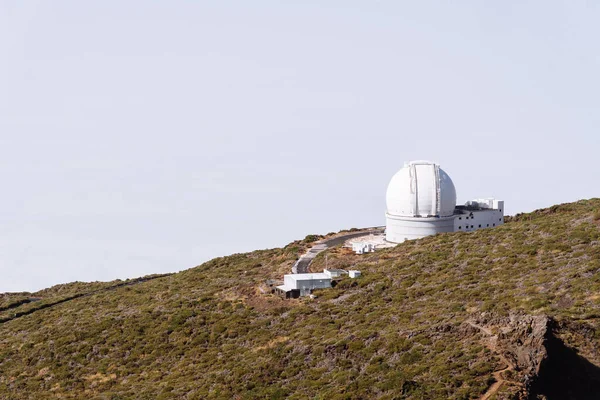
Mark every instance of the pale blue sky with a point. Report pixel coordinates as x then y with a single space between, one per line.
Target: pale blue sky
141 137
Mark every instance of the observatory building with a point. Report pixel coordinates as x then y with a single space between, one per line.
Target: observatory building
421 201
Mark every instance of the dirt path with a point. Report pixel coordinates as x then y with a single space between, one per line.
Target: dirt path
497 385
491 344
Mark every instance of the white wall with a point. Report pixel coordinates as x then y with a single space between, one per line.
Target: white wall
474 220
293 282
399 229
289 281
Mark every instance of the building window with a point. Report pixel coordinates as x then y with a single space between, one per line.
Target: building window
494 224
500 219
471 226
488 225
459 217
460 227
480 225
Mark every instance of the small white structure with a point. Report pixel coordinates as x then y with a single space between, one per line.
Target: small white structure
354 273
361 248
334 272
421 201
377 242
304 284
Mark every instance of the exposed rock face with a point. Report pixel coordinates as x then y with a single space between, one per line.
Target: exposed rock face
519 342
522 342
540 365
564 373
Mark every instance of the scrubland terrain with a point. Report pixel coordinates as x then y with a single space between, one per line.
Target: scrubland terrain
509 312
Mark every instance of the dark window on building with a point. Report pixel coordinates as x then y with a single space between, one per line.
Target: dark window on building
487 225
459 217
471 226
480 225
500 219
494 224
460 227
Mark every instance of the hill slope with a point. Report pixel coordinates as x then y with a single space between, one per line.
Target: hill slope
509 312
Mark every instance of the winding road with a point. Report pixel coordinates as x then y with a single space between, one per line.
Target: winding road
301 266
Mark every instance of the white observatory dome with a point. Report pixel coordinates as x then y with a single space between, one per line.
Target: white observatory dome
421 189
421 199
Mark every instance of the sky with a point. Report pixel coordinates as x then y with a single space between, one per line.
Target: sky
148 137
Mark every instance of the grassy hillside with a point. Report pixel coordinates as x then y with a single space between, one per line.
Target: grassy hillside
399 331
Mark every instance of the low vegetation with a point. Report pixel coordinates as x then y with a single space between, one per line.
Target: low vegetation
210 332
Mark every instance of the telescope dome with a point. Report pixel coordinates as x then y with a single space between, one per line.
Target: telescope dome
421 189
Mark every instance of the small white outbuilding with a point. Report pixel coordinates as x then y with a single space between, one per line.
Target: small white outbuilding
354 273
334 272
362 248
304 284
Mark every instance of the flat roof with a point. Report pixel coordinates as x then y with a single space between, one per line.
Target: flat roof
466 209
309 277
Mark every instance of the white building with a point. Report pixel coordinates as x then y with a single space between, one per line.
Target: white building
334 272
361 247
421 201
304 284
479 214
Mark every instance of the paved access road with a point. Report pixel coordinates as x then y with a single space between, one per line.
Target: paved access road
303 263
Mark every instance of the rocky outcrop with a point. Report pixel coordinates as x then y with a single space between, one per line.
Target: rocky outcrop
566 373
540 365
522 341
519 341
